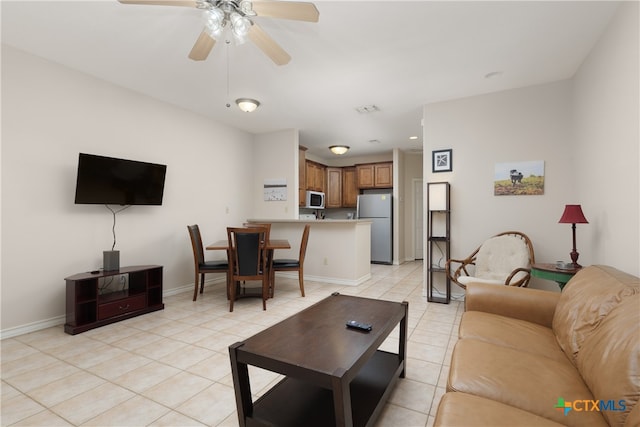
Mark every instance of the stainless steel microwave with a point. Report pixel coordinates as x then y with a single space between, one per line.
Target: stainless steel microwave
314 200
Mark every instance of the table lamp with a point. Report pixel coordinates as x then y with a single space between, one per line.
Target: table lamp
573 215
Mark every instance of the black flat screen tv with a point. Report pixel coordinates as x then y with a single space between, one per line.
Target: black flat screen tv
110 181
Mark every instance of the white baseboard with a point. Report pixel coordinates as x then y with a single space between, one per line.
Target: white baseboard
32 327
60 320
324 279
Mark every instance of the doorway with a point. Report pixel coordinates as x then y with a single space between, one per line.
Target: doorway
418 218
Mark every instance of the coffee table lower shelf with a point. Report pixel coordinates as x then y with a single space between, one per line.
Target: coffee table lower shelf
293 402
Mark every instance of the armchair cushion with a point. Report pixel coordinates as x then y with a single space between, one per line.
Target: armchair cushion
499 256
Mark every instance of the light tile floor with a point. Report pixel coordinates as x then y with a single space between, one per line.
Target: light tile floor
171 367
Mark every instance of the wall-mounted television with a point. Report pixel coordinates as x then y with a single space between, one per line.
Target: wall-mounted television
111 181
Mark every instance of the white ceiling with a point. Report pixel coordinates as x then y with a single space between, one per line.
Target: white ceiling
397 55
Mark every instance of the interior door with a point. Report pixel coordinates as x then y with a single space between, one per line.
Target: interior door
418 218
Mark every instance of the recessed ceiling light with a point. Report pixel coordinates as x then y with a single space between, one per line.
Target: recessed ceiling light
493 74
413 137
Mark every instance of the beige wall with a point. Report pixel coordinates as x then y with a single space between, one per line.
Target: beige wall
50 114
606 145
276 155
586 131
518 125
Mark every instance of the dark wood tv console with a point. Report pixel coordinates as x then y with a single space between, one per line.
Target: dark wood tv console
89 308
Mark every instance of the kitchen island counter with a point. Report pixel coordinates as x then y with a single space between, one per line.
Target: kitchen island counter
338 251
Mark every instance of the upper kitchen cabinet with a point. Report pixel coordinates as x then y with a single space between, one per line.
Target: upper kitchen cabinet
315 176
302 181
349 187
375 175
334 188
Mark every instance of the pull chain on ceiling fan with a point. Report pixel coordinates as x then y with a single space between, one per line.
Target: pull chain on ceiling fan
235 16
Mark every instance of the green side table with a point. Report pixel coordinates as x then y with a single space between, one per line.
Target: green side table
551 272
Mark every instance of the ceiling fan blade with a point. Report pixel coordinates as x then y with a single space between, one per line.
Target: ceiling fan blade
185 3
268 45
296 10
202 47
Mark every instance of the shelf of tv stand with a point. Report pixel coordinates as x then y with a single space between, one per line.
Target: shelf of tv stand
87 308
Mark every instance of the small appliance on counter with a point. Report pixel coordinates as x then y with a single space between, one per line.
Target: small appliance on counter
314 200
307 217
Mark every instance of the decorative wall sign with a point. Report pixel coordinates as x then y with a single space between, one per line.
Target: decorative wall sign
442 161
519 178
275 189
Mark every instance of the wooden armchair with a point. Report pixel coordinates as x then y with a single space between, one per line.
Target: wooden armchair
504 259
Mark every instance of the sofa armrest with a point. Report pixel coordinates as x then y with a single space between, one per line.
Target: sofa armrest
532 305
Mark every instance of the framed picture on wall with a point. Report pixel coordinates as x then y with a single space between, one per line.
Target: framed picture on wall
441 160
519 178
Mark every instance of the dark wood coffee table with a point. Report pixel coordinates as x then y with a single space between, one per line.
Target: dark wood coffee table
334 375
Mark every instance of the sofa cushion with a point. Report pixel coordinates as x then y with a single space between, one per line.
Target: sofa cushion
510 332
520 379
610 360
466 410
586 299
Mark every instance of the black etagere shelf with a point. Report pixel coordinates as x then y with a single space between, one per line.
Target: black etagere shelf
438 241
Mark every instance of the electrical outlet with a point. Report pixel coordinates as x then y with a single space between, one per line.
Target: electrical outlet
326 261
226 209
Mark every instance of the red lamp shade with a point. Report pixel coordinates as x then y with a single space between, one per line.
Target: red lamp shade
573 215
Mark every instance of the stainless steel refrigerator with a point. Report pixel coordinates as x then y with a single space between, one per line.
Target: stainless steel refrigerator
378 208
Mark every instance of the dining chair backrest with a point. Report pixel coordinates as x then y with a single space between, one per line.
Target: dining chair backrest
248 258
196 243
303 243
265 225
248 250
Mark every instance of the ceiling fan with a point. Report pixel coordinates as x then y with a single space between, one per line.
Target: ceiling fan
235 16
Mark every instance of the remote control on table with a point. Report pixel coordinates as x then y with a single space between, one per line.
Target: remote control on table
357 325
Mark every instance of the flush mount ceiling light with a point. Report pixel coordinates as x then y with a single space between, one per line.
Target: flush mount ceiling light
339 149
247 104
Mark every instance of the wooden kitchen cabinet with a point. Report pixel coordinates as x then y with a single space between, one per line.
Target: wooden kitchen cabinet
375 175
383 175
333 196
302 180
315 176
349 187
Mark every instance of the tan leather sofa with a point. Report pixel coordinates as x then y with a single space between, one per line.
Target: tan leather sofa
527 357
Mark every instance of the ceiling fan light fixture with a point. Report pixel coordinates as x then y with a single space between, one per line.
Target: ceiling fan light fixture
247 8
339 149
214 21
247 105
240 25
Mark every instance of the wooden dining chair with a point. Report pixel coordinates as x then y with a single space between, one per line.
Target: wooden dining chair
203 267
249 262
266 225
292 264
